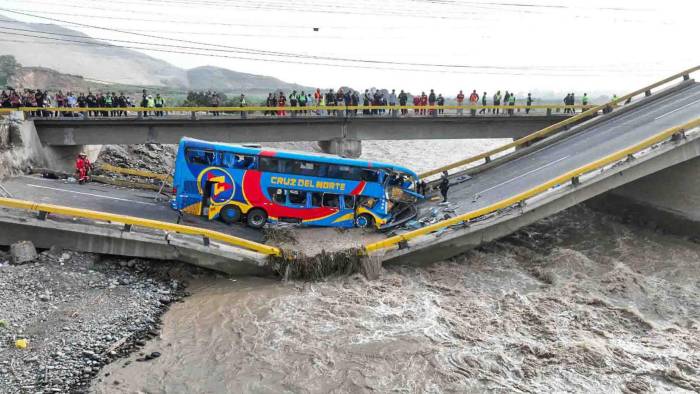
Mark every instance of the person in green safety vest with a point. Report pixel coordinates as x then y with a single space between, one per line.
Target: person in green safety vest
242 104
584 101
302 101
496 101
483 103
109 103
511 102
159 102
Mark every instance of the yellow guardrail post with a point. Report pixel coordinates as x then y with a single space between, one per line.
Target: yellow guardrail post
140 222
619 155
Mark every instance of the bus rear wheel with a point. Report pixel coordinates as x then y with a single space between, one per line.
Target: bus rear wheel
364 221
257 218
230 214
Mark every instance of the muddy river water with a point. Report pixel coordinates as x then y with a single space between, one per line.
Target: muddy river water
575 303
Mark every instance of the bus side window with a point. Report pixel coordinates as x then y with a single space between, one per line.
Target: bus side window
277 195
316 199
297 197
269 164
227 159
331 200
370 175
308 168
196 156
349 202
243 162
367 202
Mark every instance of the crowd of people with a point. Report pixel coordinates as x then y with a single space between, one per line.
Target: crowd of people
329 103
36 98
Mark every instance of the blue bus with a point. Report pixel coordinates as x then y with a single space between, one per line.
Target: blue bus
240 183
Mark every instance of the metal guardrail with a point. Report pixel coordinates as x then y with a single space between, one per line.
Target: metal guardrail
558 126
569 176
128 221
467 107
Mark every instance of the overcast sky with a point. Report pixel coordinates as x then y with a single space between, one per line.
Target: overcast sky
522 45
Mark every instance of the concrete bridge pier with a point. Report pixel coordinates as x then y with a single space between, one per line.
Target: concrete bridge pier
345 147
667 200
27 150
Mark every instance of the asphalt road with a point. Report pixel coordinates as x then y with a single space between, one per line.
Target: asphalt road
111 199
599 141
490 186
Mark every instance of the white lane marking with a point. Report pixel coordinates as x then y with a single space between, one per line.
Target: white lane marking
91 194
525 174
677 109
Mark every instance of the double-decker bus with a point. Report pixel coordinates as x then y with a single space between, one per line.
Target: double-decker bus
240 183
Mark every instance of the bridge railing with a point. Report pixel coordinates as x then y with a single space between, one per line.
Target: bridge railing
572 176
592 111
45 209
428 111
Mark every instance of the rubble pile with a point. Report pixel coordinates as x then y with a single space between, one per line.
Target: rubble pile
64 315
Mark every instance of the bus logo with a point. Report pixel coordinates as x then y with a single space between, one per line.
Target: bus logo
223 187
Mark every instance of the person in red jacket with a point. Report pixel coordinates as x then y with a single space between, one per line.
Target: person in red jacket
82 168
423 103
416 102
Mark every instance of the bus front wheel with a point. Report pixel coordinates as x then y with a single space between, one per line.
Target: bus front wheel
364 221
257 218
230 214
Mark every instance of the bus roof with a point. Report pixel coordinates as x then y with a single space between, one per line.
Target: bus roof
284 154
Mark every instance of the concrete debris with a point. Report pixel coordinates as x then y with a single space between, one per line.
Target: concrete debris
22 252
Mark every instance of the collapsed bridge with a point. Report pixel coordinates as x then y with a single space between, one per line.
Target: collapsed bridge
643 139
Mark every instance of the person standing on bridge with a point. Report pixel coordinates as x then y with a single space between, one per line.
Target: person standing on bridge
302 101
440 103
159 102
584 101
392 102
444 186
529 103
483 104
403 99
460 103
281 101
473 100
293 102
242 103
431 102
511 102
496 101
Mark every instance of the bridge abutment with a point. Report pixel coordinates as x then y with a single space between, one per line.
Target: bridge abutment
667 200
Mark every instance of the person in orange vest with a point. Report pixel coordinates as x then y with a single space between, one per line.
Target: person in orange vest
473 100
280 103
460 102
82 168
423 103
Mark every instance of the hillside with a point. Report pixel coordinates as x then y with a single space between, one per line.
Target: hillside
113 65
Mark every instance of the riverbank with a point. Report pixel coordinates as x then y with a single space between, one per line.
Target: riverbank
78 312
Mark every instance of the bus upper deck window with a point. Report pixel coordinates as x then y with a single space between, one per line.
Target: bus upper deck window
308 168
244 162
331 200
269 164
196 156
370 175
227 159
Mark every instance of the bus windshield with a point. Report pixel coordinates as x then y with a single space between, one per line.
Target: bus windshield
258 186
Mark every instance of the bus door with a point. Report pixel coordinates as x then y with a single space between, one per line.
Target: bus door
207 192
